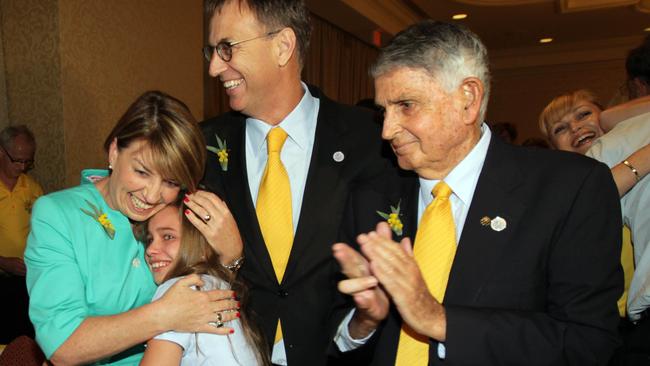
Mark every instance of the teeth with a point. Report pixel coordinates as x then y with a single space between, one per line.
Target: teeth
583 138
156 265
232 83
140 204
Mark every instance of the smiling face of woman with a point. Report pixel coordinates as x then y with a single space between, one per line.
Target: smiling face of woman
577 129
135 187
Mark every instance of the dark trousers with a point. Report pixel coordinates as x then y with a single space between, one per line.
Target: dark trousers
635 350
13 309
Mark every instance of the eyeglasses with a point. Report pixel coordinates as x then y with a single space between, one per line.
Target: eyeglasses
29 164
224 49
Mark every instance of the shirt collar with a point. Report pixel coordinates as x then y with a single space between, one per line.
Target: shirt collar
294 124
463 177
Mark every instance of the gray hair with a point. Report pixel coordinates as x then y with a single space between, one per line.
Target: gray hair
448 52
8 134
274 15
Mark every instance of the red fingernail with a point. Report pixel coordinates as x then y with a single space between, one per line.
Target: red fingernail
232 331
186 199
238 304
187 212
238 315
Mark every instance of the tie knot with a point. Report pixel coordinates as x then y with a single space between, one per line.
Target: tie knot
441 190
275 139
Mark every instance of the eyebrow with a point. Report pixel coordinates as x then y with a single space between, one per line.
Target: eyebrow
143 165
165 228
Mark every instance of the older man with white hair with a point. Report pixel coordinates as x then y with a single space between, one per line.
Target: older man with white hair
515 252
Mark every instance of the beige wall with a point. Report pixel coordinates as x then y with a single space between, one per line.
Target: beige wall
30 43
526 80
69 69
99 56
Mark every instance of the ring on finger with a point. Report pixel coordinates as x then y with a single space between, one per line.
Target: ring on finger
207 218
217 324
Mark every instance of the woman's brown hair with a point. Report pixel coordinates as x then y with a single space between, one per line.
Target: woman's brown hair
172 135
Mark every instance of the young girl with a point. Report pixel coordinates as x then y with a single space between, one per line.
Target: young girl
175 248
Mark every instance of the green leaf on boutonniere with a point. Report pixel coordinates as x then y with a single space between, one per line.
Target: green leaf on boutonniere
101 218
393 218
222 152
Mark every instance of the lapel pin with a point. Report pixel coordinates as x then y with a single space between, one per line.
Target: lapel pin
498 223
135 262
338 156
485 220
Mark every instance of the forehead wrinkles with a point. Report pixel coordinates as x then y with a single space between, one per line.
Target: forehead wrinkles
231 18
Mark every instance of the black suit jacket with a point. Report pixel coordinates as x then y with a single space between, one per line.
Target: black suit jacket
541 292
307 300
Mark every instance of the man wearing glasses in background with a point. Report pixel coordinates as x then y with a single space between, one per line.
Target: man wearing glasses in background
288 200
18 192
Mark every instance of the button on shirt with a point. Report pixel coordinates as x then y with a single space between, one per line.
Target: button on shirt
300 126
462 180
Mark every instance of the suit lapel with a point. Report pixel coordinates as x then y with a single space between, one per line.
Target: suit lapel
240 201
480 244
323 178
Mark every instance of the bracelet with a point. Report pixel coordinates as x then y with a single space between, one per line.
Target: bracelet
633 169
235 265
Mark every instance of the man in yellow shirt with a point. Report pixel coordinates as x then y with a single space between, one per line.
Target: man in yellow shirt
17 195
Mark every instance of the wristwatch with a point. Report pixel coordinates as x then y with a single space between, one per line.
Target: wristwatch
235 265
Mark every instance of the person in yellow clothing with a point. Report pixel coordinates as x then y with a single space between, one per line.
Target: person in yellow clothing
18 192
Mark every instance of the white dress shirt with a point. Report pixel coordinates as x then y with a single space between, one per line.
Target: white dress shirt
612 148
300 126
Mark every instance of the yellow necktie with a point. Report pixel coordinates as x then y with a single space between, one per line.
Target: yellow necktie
434 251
274 208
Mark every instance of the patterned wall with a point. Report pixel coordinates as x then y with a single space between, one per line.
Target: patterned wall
30 41
111 52
72 68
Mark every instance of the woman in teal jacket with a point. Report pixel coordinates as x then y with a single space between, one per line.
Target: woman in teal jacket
88 281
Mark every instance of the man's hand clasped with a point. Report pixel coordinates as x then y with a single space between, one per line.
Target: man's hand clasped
386 269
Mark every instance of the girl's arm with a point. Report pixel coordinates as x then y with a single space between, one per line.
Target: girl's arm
162 353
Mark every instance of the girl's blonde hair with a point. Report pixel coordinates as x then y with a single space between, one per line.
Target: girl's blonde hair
195 255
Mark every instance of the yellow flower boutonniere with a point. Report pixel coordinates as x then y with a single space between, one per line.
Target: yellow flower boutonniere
222 152
101 218
393 219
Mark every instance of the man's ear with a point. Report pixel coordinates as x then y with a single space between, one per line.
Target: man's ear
285 43
472 96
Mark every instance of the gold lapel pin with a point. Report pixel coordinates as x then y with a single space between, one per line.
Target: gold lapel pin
485 220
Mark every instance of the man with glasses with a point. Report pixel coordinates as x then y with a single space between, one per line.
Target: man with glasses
18 192
288 195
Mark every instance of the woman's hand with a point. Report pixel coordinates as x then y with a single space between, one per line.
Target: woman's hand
211 216
184 309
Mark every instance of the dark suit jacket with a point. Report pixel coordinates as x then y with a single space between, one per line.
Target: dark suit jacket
307 300
541 292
